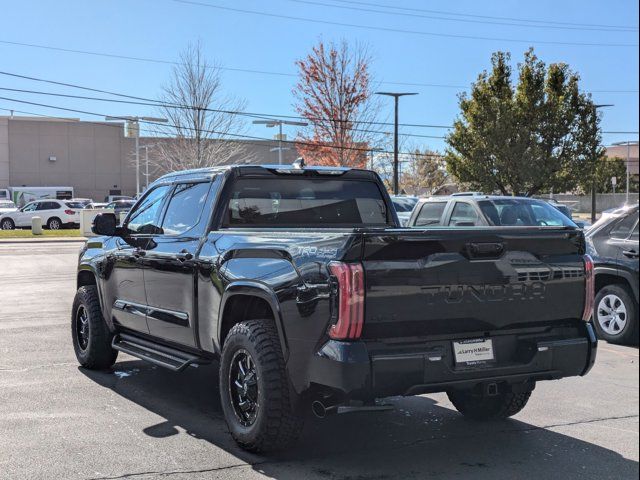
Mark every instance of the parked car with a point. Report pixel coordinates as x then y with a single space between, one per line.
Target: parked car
7 206
96 205
613 244
121 206
82 201
113 198
300 281
55 214
403 205
486 210
562 207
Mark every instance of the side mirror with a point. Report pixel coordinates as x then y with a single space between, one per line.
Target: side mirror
104 224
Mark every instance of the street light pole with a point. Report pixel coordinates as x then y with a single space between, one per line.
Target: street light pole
396 96
136 121
628 143
273 123
279 143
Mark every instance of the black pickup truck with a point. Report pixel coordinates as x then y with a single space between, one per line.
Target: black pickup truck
301 283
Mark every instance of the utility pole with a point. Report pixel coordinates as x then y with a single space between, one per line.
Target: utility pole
278 123
396 96
135 121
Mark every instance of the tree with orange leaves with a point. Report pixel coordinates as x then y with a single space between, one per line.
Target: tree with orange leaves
334 94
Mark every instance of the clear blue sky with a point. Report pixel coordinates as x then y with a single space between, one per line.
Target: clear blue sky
159 29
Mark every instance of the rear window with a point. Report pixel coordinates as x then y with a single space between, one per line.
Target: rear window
403 205
305 202
515 212
430 214
78 205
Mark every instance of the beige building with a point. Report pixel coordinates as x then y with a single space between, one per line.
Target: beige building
621 151
95 158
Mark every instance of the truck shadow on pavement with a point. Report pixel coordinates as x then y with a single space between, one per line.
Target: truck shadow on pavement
419 439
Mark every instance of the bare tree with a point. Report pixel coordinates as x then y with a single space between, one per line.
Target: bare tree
334 93
423 172
202 118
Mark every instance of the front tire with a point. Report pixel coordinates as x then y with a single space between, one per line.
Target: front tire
256 398
90 335
7 224
616 315
480 407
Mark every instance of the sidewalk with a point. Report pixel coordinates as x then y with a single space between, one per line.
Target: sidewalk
43 240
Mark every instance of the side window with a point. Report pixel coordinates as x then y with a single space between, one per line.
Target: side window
430 214
634 233
185 207
463 215
544 216
31 207
144 217
623 227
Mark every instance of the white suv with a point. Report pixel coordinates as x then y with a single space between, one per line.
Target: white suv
55 214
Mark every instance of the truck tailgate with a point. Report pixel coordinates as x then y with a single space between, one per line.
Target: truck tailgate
457 281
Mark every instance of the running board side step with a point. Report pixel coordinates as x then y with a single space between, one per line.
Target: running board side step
151 352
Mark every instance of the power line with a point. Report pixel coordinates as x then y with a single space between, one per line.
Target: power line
398 30
252 114
266 140
222 134
158 103
242 70
169 62
458 14
463 20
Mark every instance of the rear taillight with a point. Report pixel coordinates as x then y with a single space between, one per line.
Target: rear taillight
589 288
69 212
350 278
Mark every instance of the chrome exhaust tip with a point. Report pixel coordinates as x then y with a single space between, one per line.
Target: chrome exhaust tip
318 409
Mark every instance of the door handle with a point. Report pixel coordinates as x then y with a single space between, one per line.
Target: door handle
184 255
630 253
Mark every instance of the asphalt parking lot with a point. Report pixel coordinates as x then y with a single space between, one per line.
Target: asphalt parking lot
137 421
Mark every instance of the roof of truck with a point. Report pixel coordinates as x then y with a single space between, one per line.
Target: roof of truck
202 172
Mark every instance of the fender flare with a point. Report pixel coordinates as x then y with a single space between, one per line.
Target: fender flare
253 289
624 275
85 267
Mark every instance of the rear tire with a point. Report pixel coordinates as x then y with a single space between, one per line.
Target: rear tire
478 407
91 337
54 223
615 315
258 404
7 224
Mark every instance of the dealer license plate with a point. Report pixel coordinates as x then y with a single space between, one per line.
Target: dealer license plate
475 351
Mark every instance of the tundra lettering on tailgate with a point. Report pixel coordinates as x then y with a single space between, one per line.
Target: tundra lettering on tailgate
484 293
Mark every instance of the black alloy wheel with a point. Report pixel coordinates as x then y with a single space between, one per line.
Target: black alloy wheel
243 388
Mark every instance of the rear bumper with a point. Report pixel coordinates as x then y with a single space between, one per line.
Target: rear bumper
366 370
